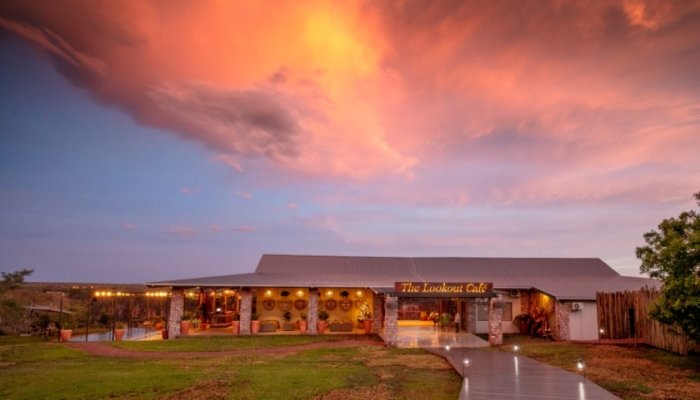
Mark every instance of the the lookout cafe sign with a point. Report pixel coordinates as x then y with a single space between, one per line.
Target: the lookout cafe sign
444 289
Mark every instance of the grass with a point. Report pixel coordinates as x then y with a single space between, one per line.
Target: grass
48 370
631 373
228 343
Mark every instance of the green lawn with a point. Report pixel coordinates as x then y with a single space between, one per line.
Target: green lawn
227 343
31 369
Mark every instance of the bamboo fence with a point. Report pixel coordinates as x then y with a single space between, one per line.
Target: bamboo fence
614 318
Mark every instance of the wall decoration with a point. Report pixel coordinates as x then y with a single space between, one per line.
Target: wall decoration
268 304
331 304
300 304
284 305
345 304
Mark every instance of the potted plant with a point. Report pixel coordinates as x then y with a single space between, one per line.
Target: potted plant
236 324
119 330
254 323
66 332
322 320
523 321
287 326
303 325
365 316
164 332
185 323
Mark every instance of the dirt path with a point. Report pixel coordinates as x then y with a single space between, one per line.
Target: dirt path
105 350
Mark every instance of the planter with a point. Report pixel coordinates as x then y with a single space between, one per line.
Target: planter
164 334
66 334
255 326
322 326
203 326
119 334
367 325
303 326
185 327
236 327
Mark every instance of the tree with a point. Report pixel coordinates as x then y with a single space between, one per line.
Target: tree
13 280
672 254
10 310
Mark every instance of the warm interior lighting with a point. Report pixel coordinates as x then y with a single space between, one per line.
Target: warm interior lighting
268 293
329 293
300 293
360 293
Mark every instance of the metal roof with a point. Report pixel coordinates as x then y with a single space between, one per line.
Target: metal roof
563 278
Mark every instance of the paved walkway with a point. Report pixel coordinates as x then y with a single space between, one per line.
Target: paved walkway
499 375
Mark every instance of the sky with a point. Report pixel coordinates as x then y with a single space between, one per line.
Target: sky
148 140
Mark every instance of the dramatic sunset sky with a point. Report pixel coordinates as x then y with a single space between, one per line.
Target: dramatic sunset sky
144 141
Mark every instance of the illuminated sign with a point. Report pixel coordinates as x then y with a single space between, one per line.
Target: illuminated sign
444 289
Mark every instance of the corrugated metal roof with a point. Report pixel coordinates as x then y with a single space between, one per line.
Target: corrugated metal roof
563 278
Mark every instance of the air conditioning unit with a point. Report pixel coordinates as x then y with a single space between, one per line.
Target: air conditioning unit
576 306
514 293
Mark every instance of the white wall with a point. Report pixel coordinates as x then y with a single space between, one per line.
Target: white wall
583 324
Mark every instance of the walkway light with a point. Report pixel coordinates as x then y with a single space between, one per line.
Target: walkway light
465 365
516 348
581 366
447 347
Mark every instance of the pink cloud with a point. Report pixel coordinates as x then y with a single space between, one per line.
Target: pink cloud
244 195
292 206
182 230
128 226
189 191
568 100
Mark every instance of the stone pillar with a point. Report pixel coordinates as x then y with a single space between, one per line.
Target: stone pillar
391 316
561 330
525 301
177 305
312 317
471 315
246 310
495 316
377 312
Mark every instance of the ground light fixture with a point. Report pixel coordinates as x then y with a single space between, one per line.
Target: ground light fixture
447 347
581 366
516 348
465 365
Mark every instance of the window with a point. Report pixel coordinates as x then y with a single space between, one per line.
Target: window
507 311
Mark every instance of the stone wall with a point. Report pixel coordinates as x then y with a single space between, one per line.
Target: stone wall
495 315
312 317
391 317
377 312
525 301
561 330
177 305
246 310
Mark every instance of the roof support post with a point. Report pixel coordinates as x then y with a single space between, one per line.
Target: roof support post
377 312
391 317
313 310
177 305
495 316
246 310
562 316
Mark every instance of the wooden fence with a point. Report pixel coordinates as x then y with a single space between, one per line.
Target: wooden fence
624 315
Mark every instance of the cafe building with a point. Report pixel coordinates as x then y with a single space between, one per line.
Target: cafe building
329 294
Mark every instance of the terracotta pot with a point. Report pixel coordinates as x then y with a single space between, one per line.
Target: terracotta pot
119 334
303 326
66 334
367 324
203 326
164 334
322 326
185 327
236 327
255 326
